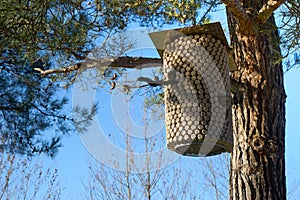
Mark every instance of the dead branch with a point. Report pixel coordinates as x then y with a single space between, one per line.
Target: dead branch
124 62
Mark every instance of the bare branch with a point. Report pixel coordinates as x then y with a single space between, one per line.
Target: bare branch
58 71
207 11
124 62
267 9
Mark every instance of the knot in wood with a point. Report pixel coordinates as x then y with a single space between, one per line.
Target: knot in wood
258 145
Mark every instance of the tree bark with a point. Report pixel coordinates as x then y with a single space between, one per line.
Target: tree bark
258 109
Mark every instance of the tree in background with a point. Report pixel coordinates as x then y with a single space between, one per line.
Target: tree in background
35 34
172 182
29 107
26 178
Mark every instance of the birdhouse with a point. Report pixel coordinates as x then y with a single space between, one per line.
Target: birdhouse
197 89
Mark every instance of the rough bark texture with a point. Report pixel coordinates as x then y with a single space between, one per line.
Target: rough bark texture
257 160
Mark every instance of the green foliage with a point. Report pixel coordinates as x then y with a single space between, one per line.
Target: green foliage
43 34
290 22
32 117
156 13
290 32
51 28
155 99
30 26
83 117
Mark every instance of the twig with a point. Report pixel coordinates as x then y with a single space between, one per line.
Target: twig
207 11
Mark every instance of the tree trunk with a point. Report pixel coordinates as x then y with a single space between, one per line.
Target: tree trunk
257 160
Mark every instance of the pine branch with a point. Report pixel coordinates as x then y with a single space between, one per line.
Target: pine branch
267 9
124 62
240 13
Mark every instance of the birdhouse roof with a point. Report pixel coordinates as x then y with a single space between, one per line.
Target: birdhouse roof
161 38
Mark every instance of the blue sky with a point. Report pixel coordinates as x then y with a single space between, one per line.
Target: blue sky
292 84
73 159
